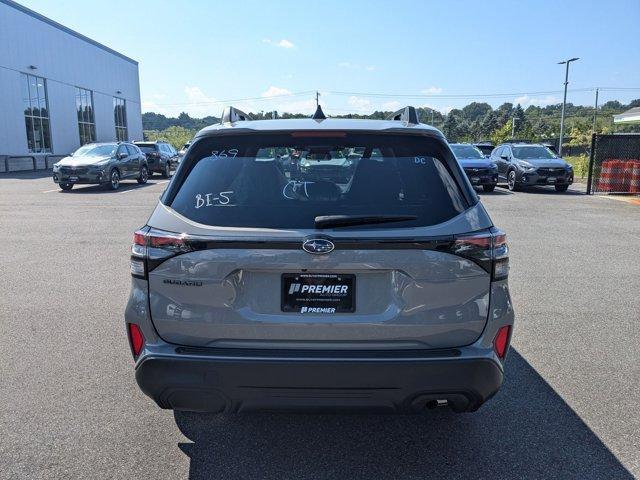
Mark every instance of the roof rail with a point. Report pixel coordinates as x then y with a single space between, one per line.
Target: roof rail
232 114
407 114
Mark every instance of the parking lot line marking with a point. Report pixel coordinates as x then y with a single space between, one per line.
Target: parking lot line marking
49 191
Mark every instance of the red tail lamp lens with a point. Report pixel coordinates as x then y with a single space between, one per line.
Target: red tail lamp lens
501 342
139 238
135 338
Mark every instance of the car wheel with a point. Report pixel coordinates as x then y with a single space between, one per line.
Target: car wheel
144 175
66 186
511 181
166 171
562 188
114 180
489 188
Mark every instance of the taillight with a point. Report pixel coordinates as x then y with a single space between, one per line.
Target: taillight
488 249
139 254
500 254
136 338
501 341
151 247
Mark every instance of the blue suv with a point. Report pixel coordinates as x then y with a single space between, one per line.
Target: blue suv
480 170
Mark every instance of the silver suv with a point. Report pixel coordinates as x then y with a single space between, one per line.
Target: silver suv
319 264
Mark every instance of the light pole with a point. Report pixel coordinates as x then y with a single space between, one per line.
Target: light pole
564 101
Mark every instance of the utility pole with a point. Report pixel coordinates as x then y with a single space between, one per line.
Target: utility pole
432 116
513 127
317 98
564 101
595 114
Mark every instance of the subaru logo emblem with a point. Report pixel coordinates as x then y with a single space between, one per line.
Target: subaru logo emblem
318 245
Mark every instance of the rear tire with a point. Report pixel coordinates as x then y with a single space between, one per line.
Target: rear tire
144 175
66 186
488 188
562 188
166 171
114 180
511 181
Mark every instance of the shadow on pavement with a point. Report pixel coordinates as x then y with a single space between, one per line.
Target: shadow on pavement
526 431
101 189
28 175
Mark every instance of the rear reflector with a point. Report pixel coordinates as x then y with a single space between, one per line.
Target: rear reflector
136 339
501 342
137 267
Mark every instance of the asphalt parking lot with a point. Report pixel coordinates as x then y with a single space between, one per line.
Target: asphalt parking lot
70 408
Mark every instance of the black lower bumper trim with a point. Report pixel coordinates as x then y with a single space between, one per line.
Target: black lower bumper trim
215 384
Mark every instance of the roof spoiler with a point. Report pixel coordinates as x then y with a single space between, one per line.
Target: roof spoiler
407 114
232 114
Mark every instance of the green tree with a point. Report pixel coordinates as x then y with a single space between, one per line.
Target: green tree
501 134
176 136
451 128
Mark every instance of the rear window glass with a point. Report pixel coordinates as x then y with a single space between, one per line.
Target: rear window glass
149 148
287 180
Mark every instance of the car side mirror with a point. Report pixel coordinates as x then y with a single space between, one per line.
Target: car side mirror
121 155
504 157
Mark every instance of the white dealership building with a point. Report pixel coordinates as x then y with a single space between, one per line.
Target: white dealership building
59 90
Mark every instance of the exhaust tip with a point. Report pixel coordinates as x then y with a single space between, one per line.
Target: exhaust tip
438 403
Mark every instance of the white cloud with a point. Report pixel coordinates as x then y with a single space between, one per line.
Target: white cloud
359 104
199 103
444 110
391 106
275 92
432 90
526 100
284 43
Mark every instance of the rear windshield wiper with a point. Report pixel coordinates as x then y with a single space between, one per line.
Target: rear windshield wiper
331 221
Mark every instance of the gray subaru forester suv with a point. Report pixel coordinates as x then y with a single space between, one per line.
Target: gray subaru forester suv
374 281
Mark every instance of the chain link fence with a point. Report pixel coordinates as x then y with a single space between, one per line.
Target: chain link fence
614 165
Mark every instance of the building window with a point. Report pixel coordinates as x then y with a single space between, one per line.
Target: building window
120 117
36 113
84 109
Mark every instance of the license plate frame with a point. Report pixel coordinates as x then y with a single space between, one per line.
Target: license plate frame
552 179
73 178
334 298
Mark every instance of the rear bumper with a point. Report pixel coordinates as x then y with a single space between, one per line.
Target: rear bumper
191 379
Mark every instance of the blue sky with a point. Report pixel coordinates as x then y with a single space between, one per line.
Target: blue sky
193 54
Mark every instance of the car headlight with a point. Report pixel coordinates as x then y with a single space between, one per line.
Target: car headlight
569 166
527 167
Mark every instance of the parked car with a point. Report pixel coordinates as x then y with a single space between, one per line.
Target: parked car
161 157
480 170
527 164
101 163
485 147
386 290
